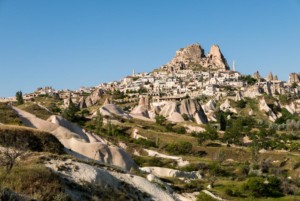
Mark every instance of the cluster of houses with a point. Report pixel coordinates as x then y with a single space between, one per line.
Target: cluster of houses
183 82
173 85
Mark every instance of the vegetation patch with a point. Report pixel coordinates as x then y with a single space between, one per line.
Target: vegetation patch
29 139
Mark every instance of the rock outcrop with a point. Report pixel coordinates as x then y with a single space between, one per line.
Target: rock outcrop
215 59
172 110
226 106
135 187
90 100
109 109
294 77
256 75
79 143
162 172
263 106
193 56
143 107
209 109
193 109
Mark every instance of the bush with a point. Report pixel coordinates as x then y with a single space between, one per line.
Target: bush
180 130
257 187
185 117
144 142
153 161
160 120
179 148
241 104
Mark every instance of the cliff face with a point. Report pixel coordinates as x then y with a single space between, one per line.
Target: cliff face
193 55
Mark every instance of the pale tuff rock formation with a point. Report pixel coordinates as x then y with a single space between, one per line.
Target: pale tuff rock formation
77 142
136 135
143 107
162 172
250 112
179 160
265 108
256 75
293 107
107 101
193 55
270 77
253 91
215 59
238 96
209 109
134 186
109 109
226 106
192 108
68 100
90 100
58 120
172 110
294 77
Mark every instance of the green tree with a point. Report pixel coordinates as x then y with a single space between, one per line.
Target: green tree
19 97
99 123
256 186
70 112
223 123
160 119
234 132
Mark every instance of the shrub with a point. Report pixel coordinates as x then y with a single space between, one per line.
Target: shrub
153 161
257 187
185 117
180 130
179 148
241 104
144 142
160 120
19 97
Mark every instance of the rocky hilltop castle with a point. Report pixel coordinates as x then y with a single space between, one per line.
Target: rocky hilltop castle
193 56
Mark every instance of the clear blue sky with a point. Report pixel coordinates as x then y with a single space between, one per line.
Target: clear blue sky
72 43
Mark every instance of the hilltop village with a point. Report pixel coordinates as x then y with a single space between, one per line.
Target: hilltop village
190 74
193 129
